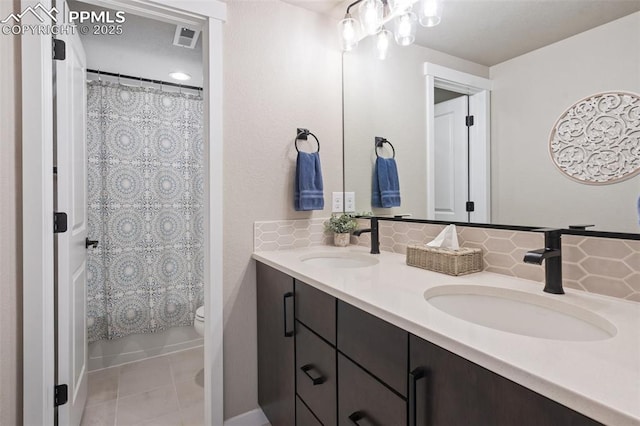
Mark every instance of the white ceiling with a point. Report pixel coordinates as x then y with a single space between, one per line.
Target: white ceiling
489 32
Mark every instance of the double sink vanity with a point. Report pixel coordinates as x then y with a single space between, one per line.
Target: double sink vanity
346 337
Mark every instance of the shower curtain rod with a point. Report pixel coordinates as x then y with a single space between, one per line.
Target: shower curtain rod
142 79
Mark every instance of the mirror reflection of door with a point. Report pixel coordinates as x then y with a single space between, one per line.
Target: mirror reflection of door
460 148
451 156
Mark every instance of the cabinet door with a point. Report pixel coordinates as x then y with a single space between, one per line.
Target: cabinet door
450 390
276 377
363 400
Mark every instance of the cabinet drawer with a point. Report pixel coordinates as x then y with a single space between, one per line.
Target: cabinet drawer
366 401
379 347
316 374
304 417
317 310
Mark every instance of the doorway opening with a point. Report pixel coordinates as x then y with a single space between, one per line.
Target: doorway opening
56 169
144 223
458 143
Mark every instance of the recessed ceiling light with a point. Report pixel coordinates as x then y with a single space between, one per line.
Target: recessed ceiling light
180 76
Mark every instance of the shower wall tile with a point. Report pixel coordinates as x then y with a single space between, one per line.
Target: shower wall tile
290 234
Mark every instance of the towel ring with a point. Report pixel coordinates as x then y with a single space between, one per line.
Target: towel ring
302 135
381 141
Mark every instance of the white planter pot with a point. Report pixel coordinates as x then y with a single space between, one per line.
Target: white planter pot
341 240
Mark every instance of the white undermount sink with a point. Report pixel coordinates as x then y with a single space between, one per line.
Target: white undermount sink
527 314
339 260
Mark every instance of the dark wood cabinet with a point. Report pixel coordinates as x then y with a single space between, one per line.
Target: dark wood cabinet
316 377
304 416
381 348
450 391
316 370
276 378
364 400
324 362
317 310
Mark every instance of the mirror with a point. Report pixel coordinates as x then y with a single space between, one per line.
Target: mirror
388 99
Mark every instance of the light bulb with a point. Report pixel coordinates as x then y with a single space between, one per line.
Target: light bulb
371 16
405 29
430 13
383 40
178 75
348 30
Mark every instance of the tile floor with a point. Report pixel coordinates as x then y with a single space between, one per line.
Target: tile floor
162 391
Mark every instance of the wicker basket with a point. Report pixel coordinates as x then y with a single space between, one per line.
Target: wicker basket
447 261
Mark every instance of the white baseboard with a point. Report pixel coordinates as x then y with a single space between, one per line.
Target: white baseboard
250 418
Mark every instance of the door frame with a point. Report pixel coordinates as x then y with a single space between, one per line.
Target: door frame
38 201
480 137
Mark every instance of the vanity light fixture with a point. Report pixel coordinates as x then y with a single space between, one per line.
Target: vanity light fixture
383 40
400 6
348 29
430 13
370 12
405 28
373 14
181 76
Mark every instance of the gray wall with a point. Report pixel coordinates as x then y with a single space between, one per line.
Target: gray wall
529 94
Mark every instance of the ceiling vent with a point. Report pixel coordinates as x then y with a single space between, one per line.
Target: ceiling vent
186 37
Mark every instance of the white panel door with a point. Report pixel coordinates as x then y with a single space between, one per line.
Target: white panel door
451 167
71 198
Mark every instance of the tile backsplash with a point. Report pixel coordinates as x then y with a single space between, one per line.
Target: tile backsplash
596 265
290 234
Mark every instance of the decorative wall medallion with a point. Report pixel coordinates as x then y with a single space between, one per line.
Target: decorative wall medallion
597 140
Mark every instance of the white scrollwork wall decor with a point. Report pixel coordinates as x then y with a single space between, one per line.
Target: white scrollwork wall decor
597 140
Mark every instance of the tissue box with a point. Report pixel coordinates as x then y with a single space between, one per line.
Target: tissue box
447 261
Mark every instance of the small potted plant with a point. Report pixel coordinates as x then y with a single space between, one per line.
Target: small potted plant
342 226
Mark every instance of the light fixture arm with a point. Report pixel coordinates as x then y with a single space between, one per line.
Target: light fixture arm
353 4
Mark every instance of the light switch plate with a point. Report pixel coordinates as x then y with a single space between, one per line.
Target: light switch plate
337 202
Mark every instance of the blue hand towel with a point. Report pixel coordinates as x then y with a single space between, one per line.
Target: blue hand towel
309 193
386 186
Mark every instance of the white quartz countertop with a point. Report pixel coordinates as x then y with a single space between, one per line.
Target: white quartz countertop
600 379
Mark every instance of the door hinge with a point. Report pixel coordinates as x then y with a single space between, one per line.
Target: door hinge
468 120
61 395
59 222
471 206
59 50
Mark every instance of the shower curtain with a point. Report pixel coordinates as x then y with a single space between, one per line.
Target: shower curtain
146 188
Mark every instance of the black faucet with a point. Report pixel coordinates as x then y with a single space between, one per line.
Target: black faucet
552 253
375 235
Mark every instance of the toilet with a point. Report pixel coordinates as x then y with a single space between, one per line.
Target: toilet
198 322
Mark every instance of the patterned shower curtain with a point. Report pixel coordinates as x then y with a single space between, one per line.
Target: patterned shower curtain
146 189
